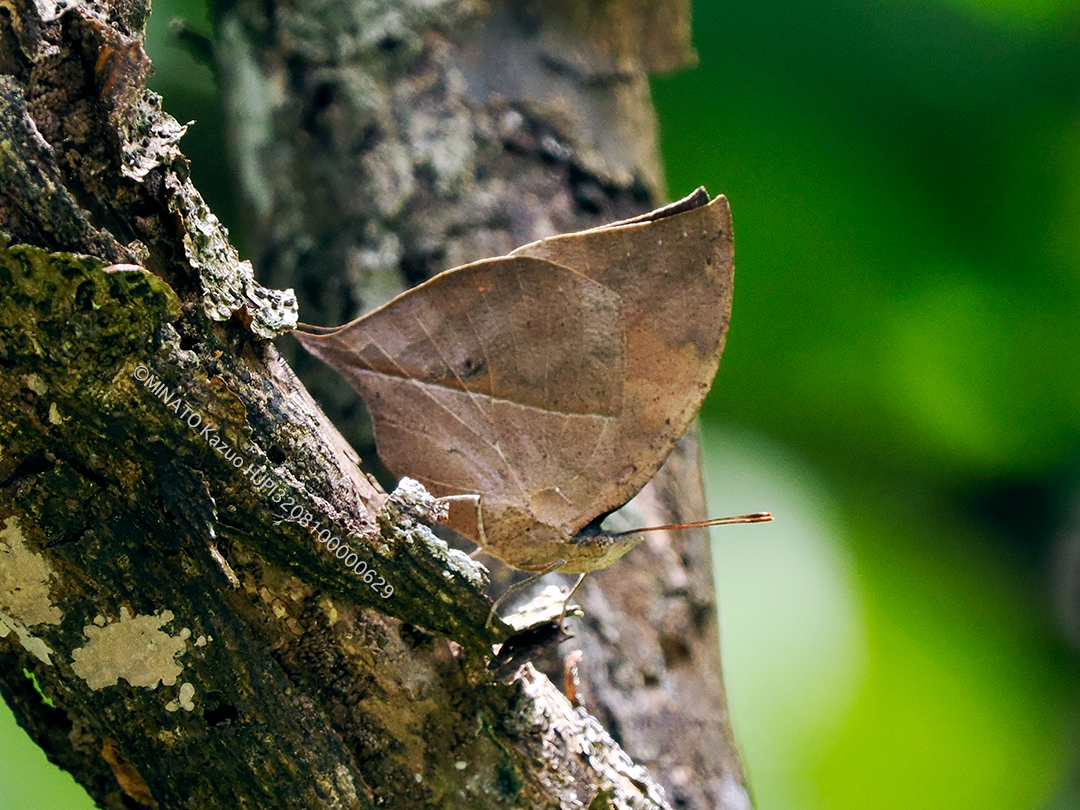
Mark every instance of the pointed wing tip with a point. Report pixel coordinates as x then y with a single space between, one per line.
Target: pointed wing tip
718 207
720 214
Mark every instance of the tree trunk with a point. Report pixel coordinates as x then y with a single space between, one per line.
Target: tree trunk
165 479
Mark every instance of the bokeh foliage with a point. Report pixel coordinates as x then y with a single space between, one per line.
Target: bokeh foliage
901 382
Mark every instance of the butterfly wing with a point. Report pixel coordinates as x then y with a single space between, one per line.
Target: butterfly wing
673 272
554 382
498 378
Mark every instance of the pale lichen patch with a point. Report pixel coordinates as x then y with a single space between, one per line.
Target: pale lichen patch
24 591
134 648
183 700
36 384
24 576
31 643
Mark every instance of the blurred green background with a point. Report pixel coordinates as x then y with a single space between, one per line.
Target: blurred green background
900 388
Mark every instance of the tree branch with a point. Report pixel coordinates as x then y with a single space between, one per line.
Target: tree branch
200 645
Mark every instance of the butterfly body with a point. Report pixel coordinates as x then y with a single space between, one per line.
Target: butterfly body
552 383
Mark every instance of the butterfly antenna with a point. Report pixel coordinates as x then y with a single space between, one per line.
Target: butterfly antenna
753 517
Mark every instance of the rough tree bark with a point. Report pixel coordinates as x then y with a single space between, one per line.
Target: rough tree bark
197 646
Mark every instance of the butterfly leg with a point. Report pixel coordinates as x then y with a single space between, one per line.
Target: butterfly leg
569 596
